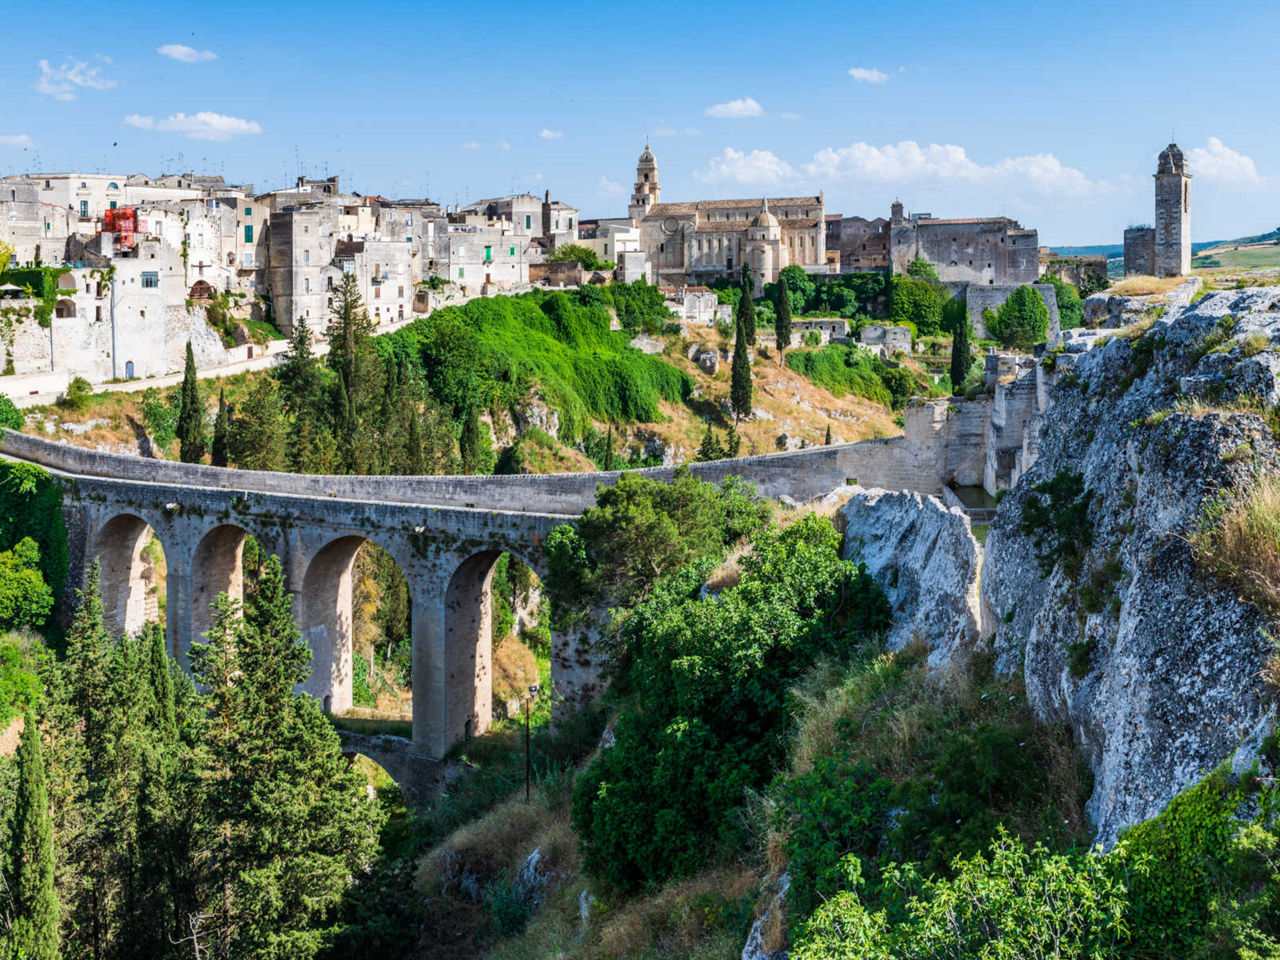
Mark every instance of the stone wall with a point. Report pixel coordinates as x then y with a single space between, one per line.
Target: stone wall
1140 252
979 297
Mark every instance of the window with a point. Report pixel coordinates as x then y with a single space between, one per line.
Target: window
113 204
511 252
488 254
528 221
113 186
306 285
248 233
306 257
571 223
462 272
305 228
84 209
400 291
248 211
150 278
377 292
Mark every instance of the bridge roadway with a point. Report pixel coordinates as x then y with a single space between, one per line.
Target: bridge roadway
446 534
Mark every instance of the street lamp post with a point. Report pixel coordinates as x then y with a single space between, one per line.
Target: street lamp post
528 761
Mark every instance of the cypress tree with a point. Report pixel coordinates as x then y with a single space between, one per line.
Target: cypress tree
257 438
471 442
218 450
417 463
959 354
740 376
782 325
191 436
34 935
608 450
747 310
827 440
301 383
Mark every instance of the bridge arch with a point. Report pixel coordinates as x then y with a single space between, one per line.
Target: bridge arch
217 566
127 575
326 617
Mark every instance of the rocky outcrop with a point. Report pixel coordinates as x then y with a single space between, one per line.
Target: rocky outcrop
1154 665
925 558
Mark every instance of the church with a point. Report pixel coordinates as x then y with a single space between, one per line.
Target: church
705 240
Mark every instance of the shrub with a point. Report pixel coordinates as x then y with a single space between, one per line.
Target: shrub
1055 515
919 302
77 394
1022 320
31 507
1070 306
25 600
842 369
19 681
10 415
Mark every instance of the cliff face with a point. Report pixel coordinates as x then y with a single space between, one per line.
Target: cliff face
1153 664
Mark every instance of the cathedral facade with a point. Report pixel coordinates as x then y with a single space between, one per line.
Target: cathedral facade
705 240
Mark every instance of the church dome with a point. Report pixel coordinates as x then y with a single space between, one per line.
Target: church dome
765 219
647 156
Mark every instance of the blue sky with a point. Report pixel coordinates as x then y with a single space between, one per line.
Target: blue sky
1050 114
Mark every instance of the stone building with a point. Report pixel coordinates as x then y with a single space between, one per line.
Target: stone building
704 240
1073 268
863 245
1164 250
973 250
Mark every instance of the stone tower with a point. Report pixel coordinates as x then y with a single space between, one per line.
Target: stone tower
647 190
1173 214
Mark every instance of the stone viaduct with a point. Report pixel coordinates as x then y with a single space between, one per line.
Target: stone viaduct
446 534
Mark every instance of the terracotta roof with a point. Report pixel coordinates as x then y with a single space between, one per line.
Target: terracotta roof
754 203
1003 220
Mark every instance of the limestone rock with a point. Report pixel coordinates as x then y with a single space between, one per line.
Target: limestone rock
1158 678
647 344
925 558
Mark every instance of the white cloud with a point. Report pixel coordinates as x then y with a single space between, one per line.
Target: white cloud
746 107
197 126
180 51
546 134
868 75
469 145
62 82
758 166
611 188
16 140
1217 162
908 162
504 145
665 132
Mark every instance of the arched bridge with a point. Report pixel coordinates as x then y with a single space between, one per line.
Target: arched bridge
446 534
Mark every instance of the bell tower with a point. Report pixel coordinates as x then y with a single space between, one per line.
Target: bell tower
647 190
1173 214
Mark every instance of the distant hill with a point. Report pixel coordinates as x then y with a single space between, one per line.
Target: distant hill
1114 251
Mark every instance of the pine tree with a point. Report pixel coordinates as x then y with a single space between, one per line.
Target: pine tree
733 444
960 359
301 378
827 440
710 448
740 376
218 450
360 373
782 322
34 935
257 437
191 436
746 315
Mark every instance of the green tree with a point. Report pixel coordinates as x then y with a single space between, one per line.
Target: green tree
740 376
283 830
474 445
917 302
782 319
301 376
710 448
746 315
25 599
358 387
191 434
826 441
10 416
1022 320
921 269
585 257
257 437
34 935
1070 306
960 356
220 450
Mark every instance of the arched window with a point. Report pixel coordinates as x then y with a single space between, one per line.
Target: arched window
113 186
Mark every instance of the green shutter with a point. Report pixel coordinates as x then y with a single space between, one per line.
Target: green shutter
248 233
513 252
527 221
488 254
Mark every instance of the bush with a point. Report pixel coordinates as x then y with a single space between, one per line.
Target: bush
1070 306
77 394
1055 515
1022 320
842 369
10 415
919 302
25 600
31 507
707 711
19 681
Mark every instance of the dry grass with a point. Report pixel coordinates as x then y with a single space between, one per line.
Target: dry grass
515 669
1145 286
1136 329
1238 540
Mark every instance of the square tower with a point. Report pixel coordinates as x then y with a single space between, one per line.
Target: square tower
1173 214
